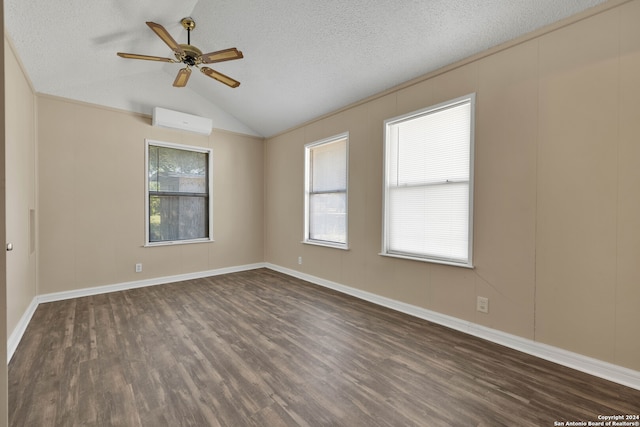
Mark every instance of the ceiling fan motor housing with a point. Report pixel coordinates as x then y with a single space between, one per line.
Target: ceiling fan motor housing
192 55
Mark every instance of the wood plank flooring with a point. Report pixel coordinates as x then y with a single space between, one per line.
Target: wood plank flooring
260 348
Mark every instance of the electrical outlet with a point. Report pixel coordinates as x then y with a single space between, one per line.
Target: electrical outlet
138 268
482 304
299 260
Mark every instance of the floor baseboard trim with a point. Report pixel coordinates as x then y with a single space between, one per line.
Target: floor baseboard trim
608 371
598 368
21 327
19 330
60 296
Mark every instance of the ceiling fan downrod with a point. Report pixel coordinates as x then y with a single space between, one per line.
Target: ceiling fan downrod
188 24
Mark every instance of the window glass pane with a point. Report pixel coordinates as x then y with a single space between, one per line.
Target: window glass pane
328 217
178 193
177 218
329 166
179 170
182 183
153 168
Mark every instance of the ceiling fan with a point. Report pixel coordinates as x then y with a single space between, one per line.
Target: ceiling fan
190 55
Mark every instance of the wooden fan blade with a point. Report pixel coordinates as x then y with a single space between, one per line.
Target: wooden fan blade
166 37
221 55
147 57
220 77
183 77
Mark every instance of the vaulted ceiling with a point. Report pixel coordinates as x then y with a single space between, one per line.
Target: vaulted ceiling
302 58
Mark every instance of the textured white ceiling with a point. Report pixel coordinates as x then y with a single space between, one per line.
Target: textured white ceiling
302 59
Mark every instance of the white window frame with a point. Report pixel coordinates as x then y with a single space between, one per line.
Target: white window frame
307 187
468 261
209 152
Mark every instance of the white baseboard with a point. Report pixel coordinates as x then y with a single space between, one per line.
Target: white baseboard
18 332
598 368
21 327
59 296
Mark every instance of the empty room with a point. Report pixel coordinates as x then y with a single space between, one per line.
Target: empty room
356 214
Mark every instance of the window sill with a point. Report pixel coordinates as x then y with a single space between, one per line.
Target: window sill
429 260
177 242
340 246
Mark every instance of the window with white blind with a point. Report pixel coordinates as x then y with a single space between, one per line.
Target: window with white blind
178 194
428 184
326 192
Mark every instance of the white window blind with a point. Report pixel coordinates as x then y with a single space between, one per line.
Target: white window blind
428 183
326 192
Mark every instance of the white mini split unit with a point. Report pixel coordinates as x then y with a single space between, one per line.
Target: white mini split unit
181 121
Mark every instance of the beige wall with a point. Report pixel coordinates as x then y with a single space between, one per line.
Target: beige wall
20 188
557 211
91 199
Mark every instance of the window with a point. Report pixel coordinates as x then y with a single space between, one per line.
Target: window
178 206
428 191
326 192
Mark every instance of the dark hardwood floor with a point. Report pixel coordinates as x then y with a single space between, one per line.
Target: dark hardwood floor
260 348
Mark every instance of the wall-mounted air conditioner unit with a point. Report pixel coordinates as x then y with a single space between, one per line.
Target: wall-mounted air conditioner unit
182 121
